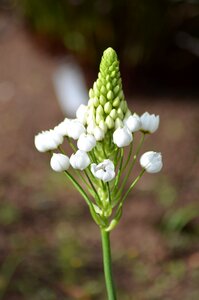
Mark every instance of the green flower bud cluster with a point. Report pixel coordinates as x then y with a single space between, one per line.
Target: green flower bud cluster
107 106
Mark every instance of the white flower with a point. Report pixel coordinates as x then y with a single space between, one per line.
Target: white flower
48 140
98 133
86 142
133 123
62 128
122 137
79 160
75 129
151 161
81 113
59 162
149 123
104 171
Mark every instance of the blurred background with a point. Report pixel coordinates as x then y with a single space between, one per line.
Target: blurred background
49 56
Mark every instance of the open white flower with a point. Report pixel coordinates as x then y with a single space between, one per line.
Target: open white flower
75 129
151 161
122 137
62 128
59 162
48 140
133 122
149 123
86 142
81 113
104 171
79 160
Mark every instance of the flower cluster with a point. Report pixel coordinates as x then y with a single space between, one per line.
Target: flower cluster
97 137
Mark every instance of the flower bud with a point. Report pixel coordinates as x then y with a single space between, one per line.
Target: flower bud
133 123
98 133
109 122
151 161
81 113
122 137
59 162
75 129
107 107
86 142
104 171
149 123
103 126
48 140
118 123
79 160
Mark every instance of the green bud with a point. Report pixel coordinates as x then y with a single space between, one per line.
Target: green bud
113 114
120 113
110 95
100 110
98 118
102 100
116 102
91 93
123 106
95 102
107 107
118 123
113 74
108 86
103 90
116 89
103 126
109 122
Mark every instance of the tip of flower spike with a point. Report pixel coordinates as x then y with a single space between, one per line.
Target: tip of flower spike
110 54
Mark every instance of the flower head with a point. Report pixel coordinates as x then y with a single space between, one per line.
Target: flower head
122 137
104 171
48 140
79 160
149 123
59 162
86 142
151 161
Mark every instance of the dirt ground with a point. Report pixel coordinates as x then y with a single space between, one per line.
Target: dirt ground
49 247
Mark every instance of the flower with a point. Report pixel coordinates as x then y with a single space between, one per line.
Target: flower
59 162
79 160
122 137
151 161
48 140
75 129
104 171
81 113
149 123
62 128
133 122
86 142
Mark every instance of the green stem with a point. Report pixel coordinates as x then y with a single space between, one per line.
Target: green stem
108 265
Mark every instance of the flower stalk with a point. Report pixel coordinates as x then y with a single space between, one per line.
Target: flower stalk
97 137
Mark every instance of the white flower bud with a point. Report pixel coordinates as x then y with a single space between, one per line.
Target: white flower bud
79 160
81 113
48 140
59 162
98 133
86 142
151 161
133 123
149 123
104 171
75 129
62 128
122 137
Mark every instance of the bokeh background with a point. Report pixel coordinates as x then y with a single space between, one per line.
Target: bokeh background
49 247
